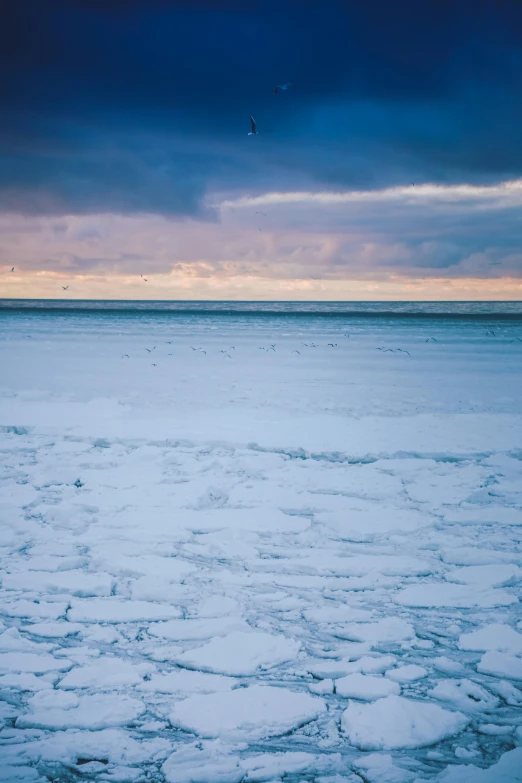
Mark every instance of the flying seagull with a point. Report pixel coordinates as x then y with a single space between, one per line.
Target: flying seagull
65 287
253 132
299 352
12 270
284 87
125 356
257 213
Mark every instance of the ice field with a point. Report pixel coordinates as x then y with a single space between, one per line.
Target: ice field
244 548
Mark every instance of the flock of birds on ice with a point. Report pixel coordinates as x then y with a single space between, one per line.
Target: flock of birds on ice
226 352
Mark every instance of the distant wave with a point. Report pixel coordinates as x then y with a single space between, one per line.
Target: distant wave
473 310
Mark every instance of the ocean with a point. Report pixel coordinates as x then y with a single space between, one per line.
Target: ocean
361 309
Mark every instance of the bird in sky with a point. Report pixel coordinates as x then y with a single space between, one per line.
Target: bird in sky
332 345
284 87
403 350
154 365
125 356
65 287
12 269
299 352
149 350
432 338
254 131
257 213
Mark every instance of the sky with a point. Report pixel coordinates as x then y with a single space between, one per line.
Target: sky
392 171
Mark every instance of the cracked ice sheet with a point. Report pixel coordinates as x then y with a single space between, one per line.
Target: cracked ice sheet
259 565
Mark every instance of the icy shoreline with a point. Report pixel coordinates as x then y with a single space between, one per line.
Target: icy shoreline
300 566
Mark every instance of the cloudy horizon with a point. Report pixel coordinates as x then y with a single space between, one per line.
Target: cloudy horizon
393 171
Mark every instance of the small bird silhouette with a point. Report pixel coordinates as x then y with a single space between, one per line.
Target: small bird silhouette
65 287
125 356
403 350
154 365
284 87
12 269
299 352
332 345
257 213
254 130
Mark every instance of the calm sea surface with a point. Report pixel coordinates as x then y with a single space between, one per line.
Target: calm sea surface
466 310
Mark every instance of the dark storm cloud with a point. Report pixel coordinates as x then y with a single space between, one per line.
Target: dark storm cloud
143 106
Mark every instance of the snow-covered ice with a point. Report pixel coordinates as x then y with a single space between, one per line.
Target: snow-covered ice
365 687
395 723
279 566
253 713
241 653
